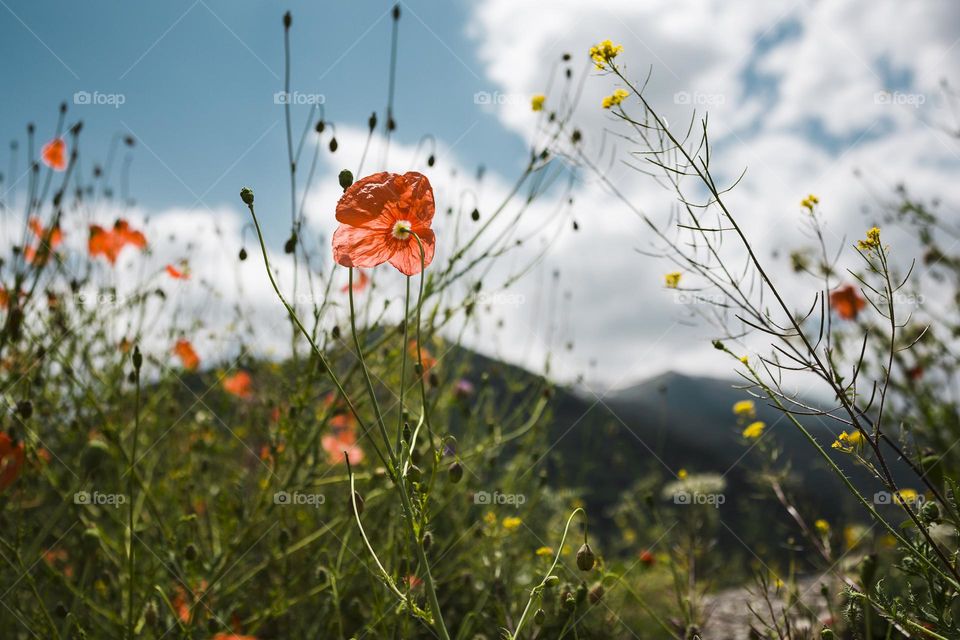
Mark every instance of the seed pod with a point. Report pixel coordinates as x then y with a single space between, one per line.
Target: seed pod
431 160
137 358
455 472
475 215
596 594
585 558
290 244
246 194
551 581
372 121
333 145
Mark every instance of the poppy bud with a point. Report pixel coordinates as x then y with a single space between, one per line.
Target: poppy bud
391 123
359 500
137 358
585 558
406 431
321 125
287 20
150 613
596 594
566 57
569 604
246 194
539 617
372 121
396 11
551 581
718 345
25 409
333 145
475 215
431 160
346 179
576 136
930 512
581 593
191 553
335 332
129 141
455 472
576 227
290 244
61 610
243 254
827 634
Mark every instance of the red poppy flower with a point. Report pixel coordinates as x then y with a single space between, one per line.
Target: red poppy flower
110 242
177 274
379 216
340 441
647 558
53 238
847 302
54 154
239 384
11 460
184 350
429 362
359 283
232 636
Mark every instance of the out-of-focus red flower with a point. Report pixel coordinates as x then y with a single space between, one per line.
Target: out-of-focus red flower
340 441
38 255
188 356
429 362
379 216
232 636
239 384
177 274
54 154
110 242
183 602
915 373
647 558
12 456
847 301
359 283
413 581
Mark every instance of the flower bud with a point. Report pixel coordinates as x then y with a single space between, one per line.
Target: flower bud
827 634
246 194
569 604
137 358
372 121
596 594
455 472
585 558
287 20
540 617
191 553
243 254
930 512
551 581
346 179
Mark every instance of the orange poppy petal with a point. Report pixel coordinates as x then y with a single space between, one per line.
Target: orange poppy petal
407 259
54 154
361 246
366 198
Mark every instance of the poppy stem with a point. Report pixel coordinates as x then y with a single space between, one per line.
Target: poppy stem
403 369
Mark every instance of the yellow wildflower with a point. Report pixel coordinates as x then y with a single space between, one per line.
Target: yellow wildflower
536 102
672 279
822 526
754 430
744 359
490 517
614 99
604 52
682 474
511 522
906 496
544 552
809 202
872 241
745 408
846 442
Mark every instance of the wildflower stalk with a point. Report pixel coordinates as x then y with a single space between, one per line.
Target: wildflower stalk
537 591
403 362
131 556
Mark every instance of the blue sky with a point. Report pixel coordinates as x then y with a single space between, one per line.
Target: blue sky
198 78
841 98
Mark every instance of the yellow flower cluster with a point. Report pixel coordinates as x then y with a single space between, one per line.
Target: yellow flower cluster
544 552
614 99
672 279
822 526
682 474
846 442
872 241
536 102
745 408
754 430
906 496
510 523
604 52
809 202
